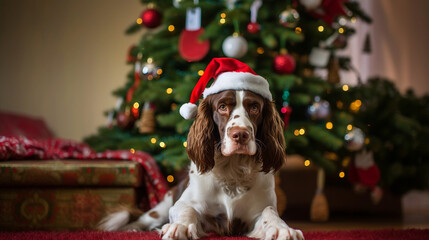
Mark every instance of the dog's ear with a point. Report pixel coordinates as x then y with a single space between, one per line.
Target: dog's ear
201 138
273 150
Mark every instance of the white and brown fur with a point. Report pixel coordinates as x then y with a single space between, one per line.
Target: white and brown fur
236 144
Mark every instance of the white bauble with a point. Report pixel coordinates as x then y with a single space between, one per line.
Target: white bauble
311 4
355 139
234 46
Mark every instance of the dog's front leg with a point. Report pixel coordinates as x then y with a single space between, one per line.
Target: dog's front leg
270 226
184 223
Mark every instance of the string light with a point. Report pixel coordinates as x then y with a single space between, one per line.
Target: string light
153 140
173 106
149 60
159 71
222 21
353 19
185 144
170 178
349 127
307 163
169 91
341 174
320 28
136 105
296 132
223 15
329 125
302 131
345 87
355 105
132 150
341 30
171 28
298 30
260 50
201 72
139 21
162 144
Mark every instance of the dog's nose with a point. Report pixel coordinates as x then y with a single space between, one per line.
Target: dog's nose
239 135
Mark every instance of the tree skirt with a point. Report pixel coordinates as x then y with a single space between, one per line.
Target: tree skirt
409 234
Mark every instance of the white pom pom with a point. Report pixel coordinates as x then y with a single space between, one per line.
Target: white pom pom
188 110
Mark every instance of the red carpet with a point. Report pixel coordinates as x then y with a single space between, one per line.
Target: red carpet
410 234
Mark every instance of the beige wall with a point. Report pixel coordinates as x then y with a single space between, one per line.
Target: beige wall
61 59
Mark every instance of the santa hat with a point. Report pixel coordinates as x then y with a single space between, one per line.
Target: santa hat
229 74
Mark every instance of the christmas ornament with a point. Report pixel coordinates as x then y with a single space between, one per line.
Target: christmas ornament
354 139
137 74
319 211
310 4
234 46
147 121
253 27
329 10
289 18
191 48
365 174
333 70
125 120
149 70
319 109
284 63
151 18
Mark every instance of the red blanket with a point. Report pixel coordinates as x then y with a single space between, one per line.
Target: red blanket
13 148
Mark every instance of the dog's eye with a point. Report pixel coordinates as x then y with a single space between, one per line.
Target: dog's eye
223 108
254 109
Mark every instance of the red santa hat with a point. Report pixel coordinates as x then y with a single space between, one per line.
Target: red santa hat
228 74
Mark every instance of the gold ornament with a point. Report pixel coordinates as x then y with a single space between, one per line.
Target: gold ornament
147 120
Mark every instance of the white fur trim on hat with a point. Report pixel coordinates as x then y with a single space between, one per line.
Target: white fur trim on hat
239 81
188 110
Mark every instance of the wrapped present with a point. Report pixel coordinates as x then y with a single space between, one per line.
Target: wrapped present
59 208
70 173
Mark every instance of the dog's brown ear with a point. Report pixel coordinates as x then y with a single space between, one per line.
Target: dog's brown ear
273 142
201 138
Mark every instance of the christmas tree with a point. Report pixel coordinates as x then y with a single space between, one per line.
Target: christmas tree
326 122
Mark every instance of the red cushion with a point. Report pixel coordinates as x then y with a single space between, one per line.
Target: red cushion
14 125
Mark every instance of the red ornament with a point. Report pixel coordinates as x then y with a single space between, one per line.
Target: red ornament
191 48
125 120
284 64
253 27
151 18
287 110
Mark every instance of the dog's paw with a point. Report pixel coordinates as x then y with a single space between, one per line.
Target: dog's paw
132 227
277 233
177 231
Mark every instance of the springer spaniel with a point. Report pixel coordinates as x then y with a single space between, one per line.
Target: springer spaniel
236 144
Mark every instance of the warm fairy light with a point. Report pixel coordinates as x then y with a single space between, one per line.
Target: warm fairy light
223 15
185 144
149 60
283 110
341 30
329 125
150 77
139 21
222 21
320 28
298 30
358 103
345 87
170 178
353 19
260 50
136 105
367 141
132 150
341 174
307 163
173 106
169 91
302 131
355 105
159 71
296 132
345 162
339 104
349 127
162 144
153 140
201 72
171 28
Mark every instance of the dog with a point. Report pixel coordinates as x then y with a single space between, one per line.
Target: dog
236 144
